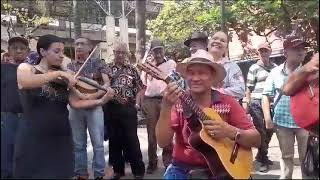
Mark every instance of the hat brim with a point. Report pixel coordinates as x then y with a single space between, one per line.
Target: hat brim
188 41
219 71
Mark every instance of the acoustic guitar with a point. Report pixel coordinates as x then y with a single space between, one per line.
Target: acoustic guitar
225 159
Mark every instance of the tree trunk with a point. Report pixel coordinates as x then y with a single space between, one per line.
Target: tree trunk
76 18
141 28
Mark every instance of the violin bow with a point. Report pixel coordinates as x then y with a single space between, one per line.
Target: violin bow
85 62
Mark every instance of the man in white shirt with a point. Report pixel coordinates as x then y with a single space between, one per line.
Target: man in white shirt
152 101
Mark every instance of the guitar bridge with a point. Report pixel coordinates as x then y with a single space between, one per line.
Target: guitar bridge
234 153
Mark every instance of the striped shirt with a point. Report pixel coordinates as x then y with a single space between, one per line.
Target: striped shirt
256 78
274 82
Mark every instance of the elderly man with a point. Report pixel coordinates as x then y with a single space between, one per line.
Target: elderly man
198 40
90 119
306 76
257 75
286 129
122 114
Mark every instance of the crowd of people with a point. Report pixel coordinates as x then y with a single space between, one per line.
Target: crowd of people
46 110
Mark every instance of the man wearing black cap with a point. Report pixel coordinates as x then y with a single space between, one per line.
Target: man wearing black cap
286 129
11 109
198 40
151 103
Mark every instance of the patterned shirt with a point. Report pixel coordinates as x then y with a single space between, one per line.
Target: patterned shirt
275 81
233 83
125 80
256 78
92 69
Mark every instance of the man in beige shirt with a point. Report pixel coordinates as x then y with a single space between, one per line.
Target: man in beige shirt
152 101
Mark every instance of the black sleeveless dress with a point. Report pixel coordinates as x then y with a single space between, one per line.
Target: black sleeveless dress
44 147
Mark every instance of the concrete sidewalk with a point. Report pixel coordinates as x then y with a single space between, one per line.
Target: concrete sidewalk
274 155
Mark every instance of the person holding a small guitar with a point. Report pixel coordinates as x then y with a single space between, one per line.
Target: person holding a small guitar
303 87
152 101
91 119
283 123
184 113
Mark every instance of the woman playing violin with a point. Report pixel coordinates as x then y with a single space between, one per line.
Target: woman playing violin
44 147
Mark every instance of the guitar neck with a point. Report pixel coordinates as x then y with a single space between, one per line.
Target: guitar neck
187 99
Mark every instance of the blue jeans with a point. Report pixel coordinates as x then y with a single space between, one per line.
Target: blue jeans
9 126
176 171
80 120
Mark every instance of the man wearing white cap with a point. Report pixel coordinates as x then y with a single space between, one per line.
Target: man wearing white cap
152 101
257 75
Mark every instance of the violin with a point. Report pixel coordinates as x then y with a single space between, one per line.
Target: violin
84 85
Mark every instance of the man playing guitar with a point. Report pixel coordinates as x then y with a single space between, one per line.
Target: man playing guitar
201 73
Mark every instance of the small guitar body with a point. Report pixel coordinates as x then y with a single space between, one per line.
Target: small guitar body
304 106
217 153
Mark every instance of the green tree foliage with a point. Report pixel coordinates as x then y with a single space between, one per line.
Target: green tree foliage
29 20
179 19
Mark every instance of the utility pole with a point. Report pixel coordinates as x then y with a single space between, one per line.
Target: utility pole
141 28
77 19
223 20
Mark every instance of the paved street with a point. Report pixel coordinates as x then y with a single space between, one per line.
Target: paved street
274 155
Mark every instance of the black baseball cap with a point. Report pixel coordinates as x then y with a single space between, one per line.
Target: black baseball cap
156 43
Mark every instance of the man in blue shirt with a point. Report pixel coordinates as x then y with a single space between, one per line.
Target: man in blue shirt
286 128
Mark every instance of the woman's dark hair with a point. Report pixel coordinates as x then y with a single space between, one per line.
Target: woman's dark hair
45 42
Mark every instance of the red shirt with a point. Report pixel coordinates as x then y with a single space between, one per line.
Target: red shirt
182 151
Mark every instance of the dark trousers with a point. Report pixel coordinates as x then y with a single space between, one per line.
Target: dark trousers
122 127
255 110
151 108
9 126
